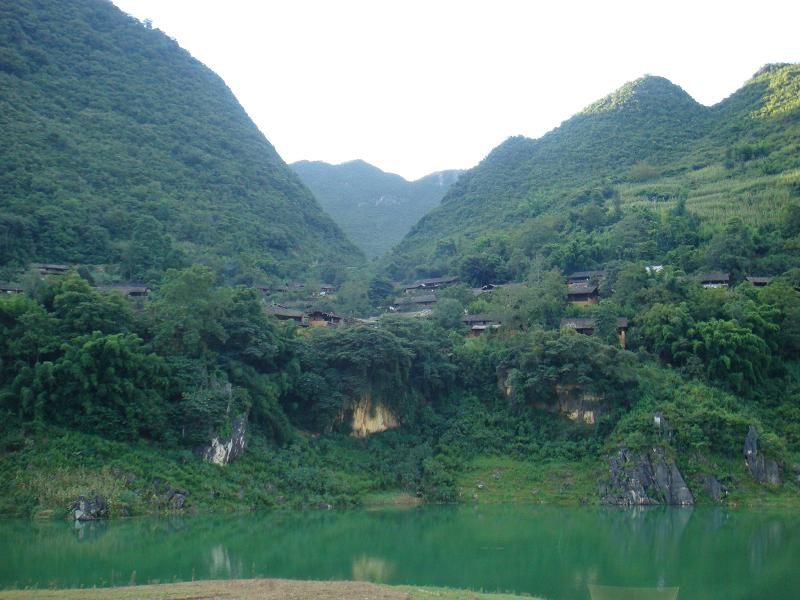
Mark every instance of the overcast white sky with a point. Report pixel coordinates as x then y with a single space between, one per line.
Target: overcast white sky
415 86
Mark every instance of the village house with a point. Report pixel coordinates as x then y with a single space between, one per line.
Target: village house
326 289
130 290
715 280
319 318
759 281
50 269
479 323
414 302
10 288
264 289
433 283
586 277
586 326
583 293
286 314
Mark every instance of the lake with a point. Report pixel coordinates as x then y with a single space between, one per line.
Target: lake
553 552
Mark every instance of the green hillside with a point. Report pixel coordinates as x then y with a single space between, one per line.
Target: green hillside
119 147
647 145
375 209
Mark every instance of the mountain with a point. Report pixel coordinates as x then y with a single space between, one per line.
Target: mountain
649 144
119 148
375 209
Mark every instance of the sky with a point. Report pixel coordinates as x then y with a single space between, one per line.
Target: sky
417 86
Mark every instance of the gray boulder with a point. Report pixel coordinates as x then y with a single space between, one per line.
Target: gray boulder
764 470
90 509
644 478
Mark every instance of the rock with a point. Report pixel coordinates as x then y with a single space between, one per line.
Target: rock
224 452
669 480
764 470
371 416
713 487
643 479
90 509
177 500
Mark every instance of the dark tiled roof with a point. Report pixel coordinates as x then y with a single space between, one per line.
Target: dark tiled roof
757 280
280 311
715 276
126 289
427 299
431 281
588 323
576 289
586 274
479 319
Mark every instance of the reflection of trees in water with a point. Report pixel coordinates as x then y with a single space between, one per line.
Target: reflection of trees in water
370 568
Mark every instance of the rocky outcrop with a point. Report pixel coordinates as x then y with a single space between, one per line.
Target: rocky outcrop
225 451
713 488
371 416
578 405
764 470
90 509
644 478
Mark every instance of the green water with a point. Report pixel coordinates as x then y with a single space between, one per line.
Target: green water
551 552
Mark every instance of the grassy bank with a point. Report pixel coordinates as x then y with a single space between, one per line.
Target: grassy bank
262 589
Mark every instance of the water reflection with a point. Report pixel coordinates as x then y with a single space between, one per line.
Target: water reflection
551 552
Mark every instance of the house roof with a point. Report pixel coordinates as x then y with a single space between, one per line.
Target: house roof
715 276
587 274
325 314
588 323
480 318
578 289
51 266
126 289
281 311
10 287
426 299
431 281
757 279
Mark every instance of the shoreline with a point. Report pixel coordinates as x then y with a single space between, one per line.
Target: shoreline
261 589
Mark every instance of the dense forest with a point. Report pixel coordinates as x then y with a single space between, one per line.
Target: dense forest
642 150
375 209
120 149
204 391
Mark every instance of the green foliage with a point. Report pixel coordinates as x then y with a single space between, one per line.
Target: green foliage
122 149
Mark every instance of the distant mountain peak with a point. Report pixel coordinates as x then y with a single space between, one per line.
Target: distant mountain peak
643 93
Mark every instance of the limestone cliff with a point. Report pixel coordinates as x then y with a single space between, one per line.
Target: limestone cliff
371 416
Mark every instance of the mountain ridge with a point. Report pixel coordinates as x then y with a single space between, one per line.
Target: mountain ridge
649 126
374 207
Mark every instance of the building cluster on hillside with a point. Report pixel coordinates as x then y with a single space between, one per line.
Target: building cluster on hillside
417 299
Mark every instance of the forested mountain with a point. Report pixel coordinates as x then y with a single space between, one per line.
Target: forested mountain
649 144
120 148
375 209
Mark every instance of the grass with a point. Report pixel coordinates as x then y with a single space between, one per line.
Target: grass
716 193
261 589
499 480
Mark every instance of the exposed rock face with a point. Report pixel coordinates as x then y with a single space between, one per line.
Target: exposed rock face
90 509
764 470
713 487
223 452
370 416
578 405
641 479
